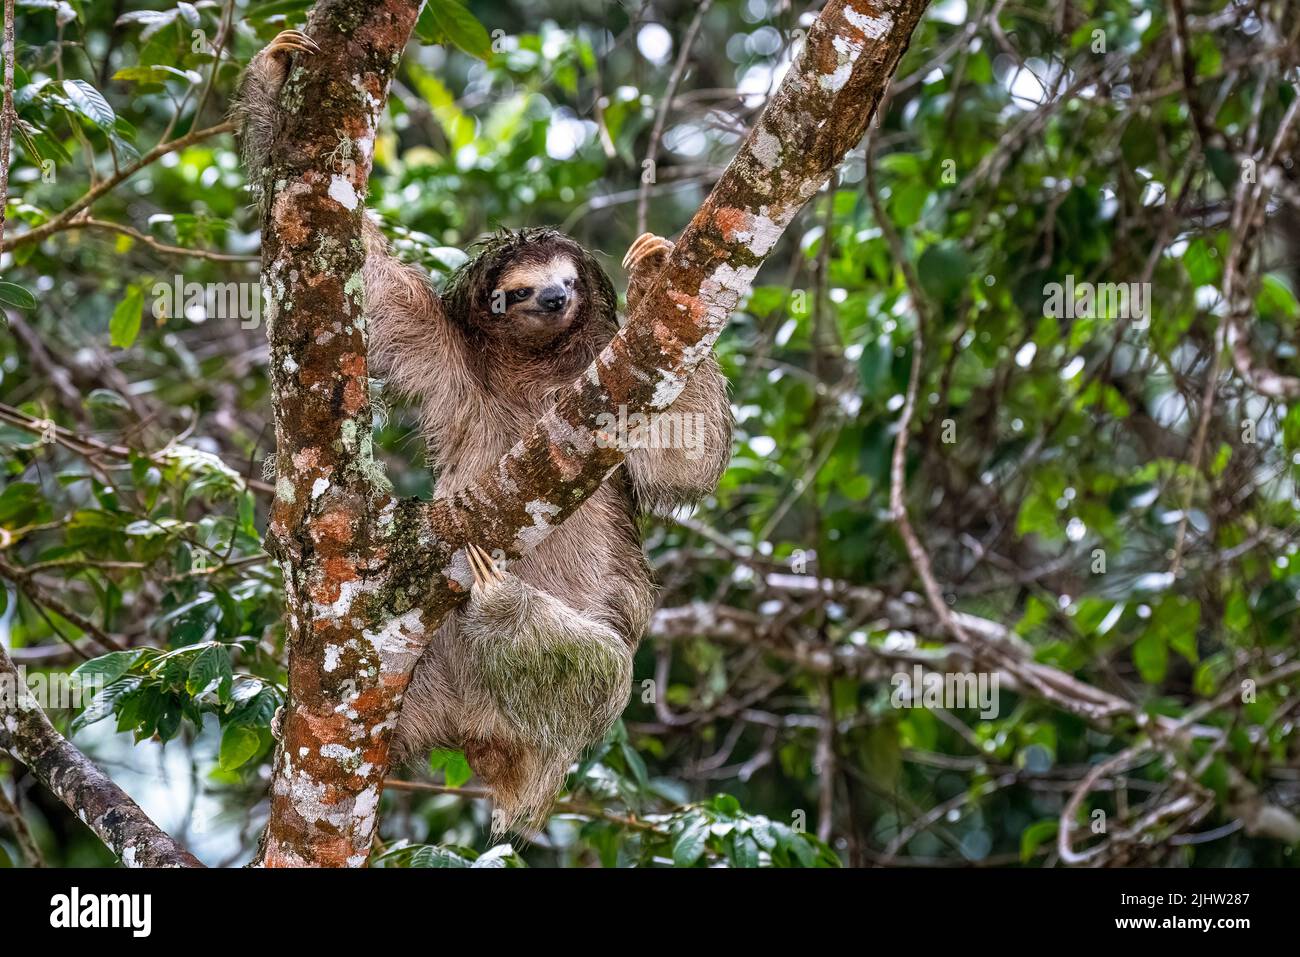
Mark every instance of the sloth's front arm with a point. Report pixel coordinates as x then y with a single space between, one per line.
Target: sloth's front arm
410 341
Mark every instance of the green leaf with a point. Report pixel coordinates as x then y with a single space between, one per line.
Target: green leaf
689 846
142 74
455 769
289 9
210 666
238 744
447 21
12 294
90 103
1151 655
108 668
744 850
125 324
1034 835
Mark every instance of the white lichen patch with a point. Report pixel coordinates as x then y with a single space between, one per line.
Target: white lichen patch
348 758
307 796
342 192
348 435
722 289
562 433
847 52
766 149
764 233
355 287
540 512
504 480
873 27
364 95
319 488
668 386
363 809
341 606
284 490
398 641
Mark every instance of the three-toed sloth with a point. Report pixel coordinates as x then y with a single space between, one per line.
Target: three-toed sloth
537 664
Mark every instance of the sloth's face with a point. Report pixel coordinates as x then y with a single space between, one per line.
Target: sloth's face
534 301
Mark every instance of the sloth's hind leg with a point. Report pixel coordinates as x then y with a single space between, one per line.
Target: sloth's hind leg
557 676
556 680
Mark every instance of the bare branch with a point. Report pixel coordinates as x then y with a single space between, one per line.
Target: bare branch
73 778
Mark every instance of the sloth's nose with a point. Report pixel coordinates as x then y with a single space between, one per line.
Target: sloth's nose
553 298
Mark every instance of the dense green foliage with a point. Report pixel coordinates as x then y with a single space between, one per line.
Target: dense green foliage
1053 472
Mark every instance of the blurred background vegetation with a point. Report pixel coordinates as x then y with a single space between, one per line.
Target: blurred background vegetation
1056 474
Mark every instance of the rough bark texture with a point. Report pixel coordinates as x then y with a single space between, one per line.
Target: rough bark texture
368 579
331 523
26 733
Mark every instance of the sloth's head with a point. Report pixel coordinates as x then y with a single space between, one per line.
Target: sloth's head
530 289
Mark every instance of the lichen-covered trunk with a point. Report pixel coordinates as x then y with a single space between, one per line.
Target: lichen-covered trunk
369 579
331 520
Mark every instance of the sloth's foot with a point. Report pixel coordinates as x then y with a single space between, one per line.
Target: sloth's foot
274 58
647 251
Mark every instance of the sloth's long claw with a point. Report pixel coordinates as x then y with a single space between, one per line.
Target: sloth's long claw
484 569
474 567
644 247
292 40
631 250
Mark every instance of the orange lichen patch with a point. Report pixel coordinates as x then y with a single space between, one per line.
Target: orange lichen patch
694 307
730 221
340 568
332 526
325 727
396 684
337 571
615 364
387 33
311 376
372 701
306 459
287 215
827 58
353 364
355 395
